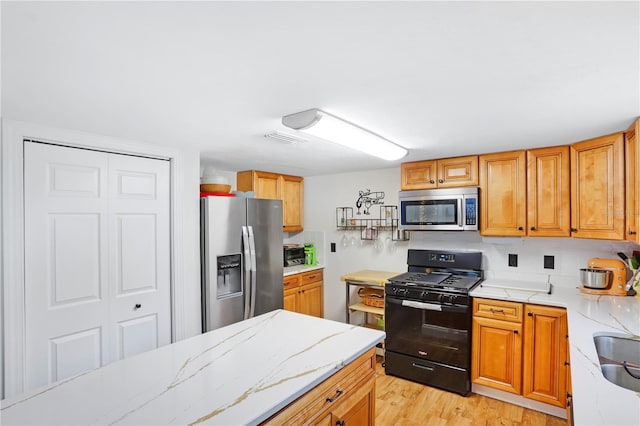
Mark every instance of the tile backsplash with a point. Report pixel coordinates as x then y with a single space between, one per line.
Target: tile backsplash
569 254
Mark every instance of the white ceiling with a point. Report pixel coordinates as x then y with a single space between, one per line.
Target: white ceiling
440 78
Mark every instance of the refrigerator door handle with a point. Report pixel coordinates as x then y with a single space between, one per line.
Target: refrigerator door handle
252 250
246 280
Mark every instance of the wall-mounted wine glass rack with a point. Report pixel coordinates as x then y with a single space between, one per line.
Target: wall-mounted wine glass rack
370 227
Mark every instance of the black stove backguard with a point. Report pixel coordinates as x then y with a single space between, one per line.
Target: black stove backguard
428 324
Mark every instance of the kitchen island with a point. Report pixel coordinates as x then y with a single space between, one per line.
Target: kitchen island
596 401
240 374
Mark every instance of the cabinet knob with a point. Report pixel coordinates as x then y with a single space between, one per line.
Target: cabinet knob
574 230
530 314
340 423
432 181
137 306
533 228
632 232
441 180
520 228
515 331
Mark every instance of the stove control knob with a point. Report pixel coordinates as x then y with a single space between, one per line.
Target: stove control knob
452 299
441 298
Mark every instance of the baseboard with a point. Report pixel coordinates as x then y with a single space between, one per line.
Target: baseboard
519 400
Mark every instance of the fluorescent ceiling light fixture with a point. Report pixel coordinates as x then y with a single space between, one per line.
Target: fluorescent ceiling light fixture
334 129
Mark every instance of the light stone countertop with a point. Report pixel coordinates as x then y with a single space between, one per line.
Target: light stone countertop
290 270
596 401
235 375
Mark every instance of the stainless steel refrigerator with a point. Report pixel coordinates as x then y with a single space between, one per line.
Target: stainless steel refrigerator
241 249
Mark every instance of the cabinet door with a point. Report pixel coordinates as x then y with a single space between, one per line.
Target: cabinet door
597 188
503 204
457 172
548 186
266 185
292 203
632 172
291 300
311 299
418 175
358 409
544 354
496 359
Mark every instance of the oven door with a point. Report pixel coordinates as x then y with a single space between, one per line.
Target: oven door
430 331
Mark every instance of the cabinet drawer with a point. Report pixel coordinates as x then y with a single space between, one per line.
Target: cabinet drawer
497 309
311 276
329 393
291 281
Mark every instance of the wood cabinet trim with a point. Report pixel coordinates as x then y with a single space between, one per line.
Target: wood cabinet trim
315 405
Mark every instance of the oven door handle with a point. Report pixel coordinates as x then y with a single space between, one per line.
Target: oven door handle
422 305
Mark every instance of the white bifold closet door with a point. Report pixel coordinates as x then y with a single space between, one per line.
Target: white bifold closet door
97 259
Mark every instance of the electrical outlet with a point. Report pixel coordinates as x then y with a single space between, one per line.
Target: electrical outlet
333 247
549 262
513 260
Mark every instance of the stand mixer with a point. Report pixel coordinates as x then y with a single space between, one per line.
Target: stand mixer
616 278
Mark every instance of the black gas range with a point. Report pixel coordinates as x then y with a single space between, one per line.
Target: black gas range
428 318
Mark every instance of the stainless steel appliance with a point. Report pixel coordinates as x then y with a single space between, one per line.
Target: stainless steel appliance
241 246
446 209
428 319
293 255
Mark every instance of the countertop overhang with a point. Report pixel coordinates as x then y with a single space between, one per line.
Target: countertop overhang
596 401
239 374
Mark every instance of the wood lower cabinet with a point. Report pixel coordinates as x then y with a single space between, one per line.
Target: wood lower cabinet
503 200
304 293
598 188
346 398
441 173
545 354
497 345
289 189
520 348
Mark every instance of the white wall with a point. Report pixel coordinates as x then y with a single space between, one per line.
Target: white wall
324 193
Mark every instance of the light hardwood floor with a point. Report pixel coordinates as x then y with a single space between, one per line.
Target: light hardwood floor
401 402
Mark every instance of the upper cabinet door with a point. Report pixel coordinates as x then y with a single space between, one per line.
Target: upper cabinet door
441 173
597 188
632 182
418 175
459 171
548 186
503 203
292 203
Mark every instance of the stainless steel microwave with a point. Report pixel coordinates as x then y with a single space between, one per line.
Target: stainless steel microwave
447 209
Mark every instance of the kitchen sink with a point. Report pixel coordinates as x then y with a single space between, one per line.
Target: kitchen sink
613 353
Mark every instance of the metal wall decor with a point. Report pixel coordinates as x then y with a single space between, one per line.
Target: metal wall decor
366 199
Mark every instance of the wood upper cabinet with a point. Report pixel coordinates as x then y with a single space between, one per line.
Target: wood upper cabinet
304 293
292 203
597 188
503 186
441 173
548 192
496 345
545 354
632 180
289 189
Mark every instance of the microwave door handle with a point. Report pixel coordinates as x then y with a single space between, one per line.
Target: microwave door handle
460 223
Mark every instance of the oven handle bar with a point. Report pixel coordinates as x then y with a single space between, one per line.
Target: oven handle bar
426 306
422 305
